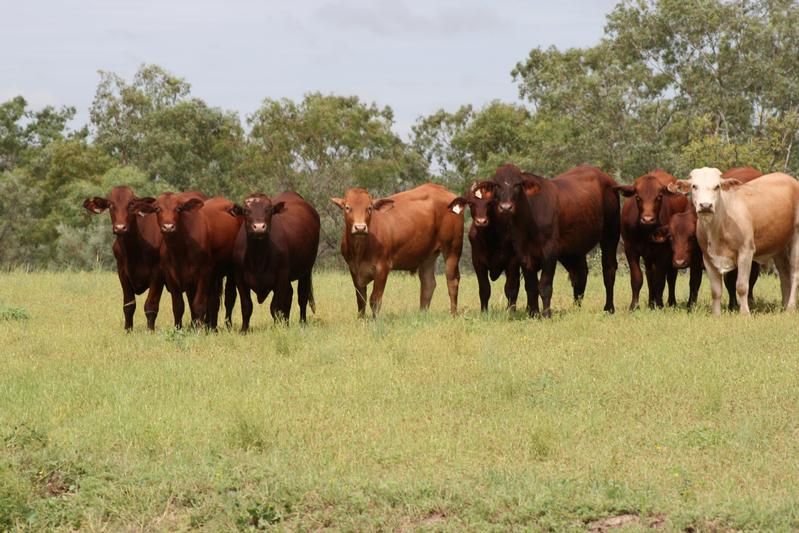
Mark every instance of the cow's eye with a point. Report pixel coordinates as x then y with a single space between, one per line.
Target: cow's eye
717 187
660 196
694 187
369 209
347 208
637 197
157 209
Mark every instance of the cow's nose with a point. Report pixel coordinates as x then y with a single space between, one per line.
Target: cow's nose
359 228
259 226
120 228
505 206
167 227
647 219
706 207
680 263
481 221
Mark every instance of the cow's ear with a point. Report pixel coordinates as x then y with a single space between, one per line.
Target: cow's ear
339 202
95 205
679 187
481 188
193 203
458 205
531 188
382 204
660 235
729 184
624 190
143 206
236 211
278 208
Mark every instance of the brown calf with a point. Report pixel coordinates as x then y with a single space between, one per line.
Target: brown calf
404 231
136 249
276 244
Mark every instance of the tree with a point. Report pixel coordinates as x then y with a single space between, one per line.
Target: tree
323 145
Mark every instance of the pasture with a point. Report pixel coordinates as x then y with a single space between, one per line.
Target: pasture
413 421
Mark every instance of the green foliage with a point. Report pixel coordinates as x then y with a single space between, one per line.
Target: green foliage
13 313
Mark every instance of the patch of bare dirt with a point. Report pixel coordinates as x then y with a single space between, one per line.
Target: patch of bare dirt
614 522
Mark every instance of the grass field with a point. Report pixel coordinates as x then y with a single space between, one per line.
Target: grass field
413 421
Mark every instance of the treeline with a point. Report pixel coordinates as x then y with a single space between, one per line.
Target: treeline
672 84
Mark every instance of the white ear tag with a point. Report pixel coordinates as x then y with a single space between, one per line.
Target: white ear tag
457 209
478 194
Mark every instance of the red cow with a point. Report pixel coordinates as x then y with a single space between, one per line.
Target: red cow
560 219
649 205
276 244
680 233
492 247
405 231
136 249
196 252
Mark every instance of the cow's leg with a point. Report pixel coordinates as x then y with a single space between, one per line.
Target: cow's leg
577 267
753 275
671 279
545 287
783 266
376 299
177 307
280 306
655 283
512 282
453 274
360 295
636 276
427 279
715 278
246 302
793 272
730 279
484 285
153 301
303 295
742 282
610 264
531 288
695 281
230 299
214 302
199 303
128 301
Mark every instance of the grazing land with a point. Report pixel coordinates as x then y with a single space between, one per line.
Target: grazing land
412 421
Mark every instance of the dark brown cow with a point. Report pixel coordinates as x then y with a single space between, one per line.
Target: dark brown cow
276 244
196 252
405 231
680 232
136 249
648 206
560 219
492 247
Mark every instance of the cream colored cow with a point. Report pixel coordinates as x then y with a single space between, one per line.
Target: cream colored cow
739 223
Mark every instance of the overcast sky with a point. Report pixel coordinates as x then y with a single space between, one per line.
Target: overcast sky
415 55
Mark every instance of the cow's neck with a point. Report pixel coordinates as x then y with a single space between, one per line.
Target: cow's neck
259 251
358 246
713 224
131 241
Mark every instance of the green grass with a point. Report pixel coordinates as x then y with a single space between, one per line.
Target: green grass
413 421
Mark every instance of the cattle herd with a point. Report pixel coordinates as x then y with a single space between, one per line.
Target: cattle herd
522 226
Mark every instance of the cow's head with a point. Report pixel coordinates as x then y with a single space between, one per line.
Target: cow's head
358 207
648 192
681 234
257 211
168 208
480 199
705 185
120 204
513 186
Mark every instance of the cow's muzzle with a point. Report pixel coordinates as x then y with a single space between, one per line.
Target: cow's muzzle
481 221
647 220
360 229
120 229
167 228
506 207
704 209
679 263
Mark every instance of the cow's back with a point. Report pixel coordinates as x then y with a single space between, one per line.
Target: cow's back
585 200
295 232
411 230
769 204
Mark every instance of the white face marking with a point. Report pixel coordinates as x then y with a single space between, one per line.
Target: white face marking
705 189
478 194
457 209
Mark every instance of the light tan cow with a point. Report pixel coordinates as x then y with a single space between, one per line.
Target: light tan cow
405 231
739 223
